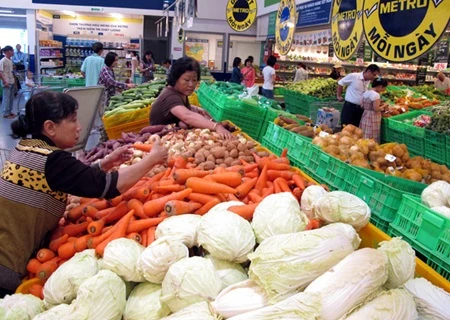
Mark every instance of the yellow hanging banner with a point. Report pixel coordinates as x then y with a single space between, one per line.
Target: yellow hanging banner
285 26
241 14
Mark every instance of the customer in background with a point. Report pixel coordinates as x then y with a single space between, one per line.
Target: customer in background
167 64
336 72
257 70
1 54
135 61
8 80
269 78
301 74
249 74
236 75
442 82
19 59
172 105
92 65
107 78
370 103
147 67
357 84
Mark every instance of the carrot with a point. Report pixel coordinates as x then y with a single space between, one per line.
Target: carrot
244 189
138 207
245 200
74 229
250 167
299 181
201 198
95 241
313 224
37 290
143 147
95 227
45 255
141 193
100 204
54 244
67 250
207 206
151 235
239 169
253 174
154 179
284 153
218 170
167 173
139 225
87 200
272 165
162 183
135 236
115 201
283 185
231 179
202 186
61 262
262 180
170 188
231 197
181 175
254 196
325 187
221 197
256 157
76 213
144 238
297 192
177 207
245 212
46 269
33 265
273 174
268 191
103 213
154 207
118 213
276 187
119 232
180 162
82 243
90 211
58 231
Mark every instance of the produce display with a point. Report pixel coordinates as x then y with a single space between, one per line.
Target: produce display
306 130
320 87
437 197
391 158
440 120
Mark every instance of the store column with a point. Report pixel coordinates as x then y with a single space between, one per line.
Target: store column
31 34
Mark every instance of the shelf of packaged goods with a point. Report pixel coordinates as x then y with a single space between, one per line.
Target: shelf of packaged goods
51 48
50 57
90 47
54 67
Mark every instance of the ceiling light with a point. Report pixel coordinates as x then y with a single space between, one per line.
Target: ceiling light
6 11
116 15
69 13
12 15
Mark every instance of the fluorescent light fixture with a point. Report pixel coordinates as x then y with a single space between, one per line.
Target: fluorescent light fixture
116 15
6 11
13 15
69 13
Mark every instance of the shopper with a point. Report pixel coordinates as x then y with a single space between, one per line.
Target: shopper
370 102
249 74
257 70
167 64
135 61
92 65
19 59
147 67
172 105
442 82
236 75
107 78
1 53
336 72
269 77
356 84
39 175
301 74
8 81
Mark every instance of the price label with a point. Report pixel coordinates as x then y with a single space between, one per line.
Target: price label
403 109
440 66
323 134
390 157
360 61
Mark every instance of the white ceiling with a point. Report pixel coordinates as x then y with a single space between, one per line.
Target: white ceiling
99 14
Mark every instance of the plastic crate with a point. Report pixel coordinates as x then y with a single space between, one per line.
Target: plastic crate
54 82
250 121
435 146
424 226
447 150
394 135
76 82
383 130
277 135
135 127
272 147
440 266
401 184
380 223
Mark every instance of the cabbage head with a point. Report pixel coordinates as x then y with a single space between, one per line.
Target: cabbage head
63 284
395 304
341 206
432 302
309 196
156 259
229 272
436 194
182 227
226 235
285 264
189 281
100 297
240 298
21 307
60 312
278 214
197 311
122 257
305 306
401 262
443 210
144 303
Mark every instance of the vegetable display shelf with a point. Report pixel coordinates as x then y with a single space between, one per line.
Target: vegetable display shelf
427 230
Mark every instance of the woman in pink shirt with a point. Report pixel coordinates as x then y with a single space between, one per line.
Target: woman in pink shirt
248 74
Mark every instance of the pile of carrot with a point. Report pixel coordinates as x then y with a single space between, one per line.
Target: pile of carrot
177 190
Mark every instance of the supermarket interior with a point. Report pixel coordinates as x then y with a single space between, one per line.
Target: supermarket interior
225 159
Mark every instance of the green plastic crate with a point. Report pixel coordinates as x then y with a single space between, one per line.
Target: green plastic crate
383 130
394 135
440 266
277 135
272 147
447 150
435 146
73 82
424 226
401 184
380 223
271 115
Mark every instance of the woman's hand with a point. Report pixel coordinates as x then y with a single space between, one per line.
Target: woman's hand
158 154
116 158
223 132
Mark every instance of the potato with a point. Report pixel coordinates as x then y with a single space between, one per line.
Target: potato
249 159
206 153
220 161
206 147
250 144
190 152
199 157
211 158
228 161
218 152
209 165
226 154
231 147
242 154
236 163
263 154
223 165
241 147
197 146
234 153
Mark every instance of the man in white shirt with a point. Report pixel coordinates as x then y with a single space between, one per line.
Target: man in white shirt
269 78
357 84
7 78
442 82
